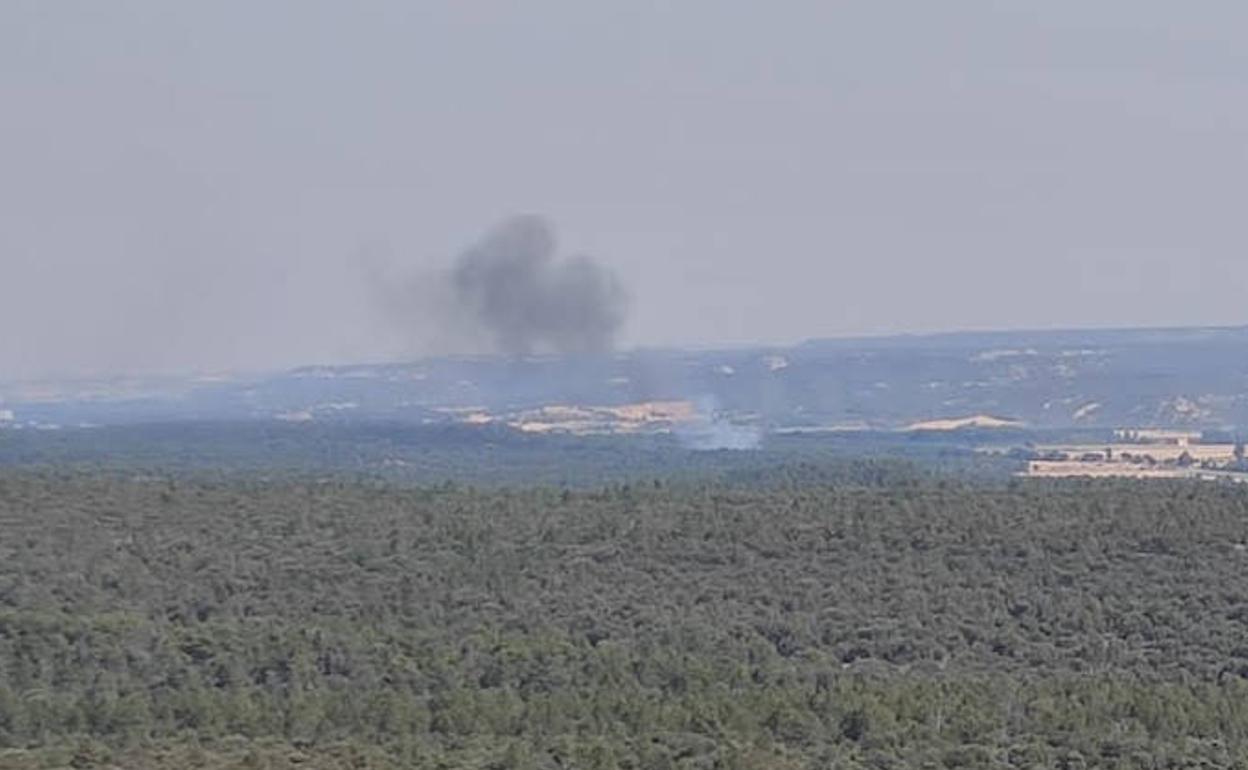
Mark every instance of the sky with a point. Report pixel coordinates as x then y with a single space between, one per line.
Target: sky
205 186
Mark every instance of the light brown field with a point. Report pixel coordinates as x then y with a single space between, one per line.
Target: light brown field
960 423
628 418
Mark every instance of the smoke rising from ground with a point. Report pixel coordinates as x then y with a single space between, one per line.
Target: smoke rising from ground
712 430
510 292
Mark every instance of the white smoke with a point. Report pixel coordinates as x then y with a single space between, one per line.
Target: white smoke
711 429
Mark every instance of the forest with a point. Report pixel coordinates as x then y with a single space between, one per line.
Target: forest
493 456
857 616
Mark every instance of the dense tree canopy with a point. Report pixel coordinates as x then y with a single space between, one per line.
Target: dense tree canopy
876 622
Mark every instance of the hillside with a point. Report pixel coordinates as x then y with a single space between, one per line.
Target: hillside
1189 378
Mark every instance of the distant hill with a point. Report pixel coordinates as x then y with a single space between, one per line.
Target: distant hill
1190 378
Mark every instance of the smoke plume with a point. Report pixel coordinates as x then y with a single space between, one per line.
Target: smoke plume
712 430
509 292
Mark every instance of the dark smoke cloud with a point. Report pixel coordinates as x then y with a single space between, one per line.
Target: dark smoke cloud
510 293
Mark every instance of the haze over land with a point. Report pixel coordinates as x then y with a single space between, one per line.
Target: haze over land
213 186
676 385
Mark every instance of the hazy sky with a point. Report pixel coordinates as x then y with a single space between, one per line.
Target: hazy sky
215 184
